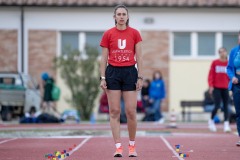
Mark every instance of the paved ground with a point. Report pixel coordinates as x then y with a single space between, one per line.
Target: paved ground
94 142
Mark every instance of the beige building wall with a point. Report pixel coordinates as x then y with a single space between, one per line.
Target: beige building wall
188 81
62 104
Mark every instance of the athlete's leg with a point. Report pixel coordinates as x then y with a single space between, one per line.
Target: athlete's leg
236 100
225 97
130 99
217 101
114 113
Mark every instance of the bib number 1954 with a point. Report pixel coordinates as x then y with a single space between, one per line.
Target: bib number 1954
122 58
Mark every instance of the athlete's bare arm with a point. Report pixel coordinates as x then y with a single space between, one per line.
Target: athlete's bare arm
138 49
103 64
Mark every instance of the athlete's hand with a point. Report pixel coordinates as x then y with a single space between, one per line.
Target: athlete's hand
234 80
139 84
210 90
103 84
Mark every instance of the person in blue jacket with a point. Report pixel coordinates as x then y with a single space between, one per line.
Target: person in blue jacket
233 71
156 95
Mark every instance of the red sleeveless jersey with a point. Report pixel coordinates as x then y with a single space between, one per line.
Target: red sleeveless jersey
121 45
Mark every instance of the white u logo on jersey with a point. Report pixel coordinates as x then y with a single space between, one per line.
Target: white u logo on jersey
121 43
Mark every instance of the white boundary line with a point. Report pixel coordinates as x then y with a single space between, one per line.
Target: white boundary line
170 148
78 146
8 140
59 137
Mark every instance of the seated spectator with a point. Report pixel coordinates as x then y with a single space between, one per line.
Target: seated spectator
140 108
30 117
48 118
40 117
71 114
208 103
145 93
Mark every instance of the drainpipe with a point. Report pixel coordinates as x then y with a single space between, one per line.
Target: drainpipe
22 39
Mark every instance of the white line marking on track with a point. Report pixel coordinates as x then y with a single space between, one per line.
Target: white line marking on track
8 140
170 148
78 146
61 137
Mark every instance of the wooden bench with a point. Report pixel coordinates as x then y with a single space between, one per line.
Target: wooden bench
189 105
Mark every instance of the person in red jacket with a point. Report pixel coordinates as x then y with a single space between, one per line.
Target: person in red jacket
218 88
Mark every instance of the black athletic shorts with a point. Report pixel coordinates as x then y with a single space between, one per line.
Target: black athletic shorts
121 78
